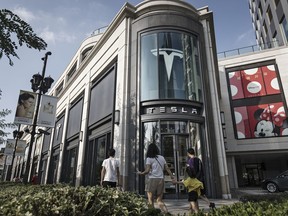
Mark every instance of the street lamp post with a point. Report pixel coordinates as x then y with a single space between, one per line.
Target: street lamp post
41 84
17 134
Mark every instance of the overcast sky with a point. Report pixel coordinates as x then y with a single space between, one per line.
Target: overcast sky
64 24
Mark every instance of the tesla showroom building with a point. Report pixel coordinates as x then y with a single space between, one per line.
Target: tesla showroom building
151 77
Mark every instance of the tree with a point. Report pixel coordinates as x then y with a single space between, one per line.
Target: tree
12 25
3 124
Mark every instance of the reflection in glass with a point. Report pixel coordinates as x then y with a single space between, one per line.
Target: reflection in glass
194 130
151 134
173 127
176 138
170 67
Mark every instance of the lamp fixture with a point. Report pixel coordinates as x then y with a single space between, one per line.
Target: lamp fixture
17 134
222 116
117 117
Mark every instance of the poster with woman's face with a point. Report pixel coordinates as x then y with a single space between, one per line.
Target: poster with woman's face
25 107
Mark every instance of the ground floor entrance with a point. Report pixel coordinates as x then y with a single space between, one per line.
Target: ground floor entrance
173 138
174 149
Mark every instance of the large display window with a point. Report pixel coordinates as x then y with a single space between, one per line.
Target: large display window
173 138
257 103
170 67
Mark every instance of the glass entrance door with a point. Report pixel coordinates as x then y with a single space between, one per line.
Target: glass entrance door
174 150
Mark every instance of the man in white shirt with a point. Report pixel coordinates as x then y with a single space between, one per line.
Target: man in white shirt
110 171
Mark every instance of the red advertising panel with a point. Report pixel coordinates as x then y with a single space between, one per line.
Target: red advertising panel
270 79
236 85
260 121
279 118
242 123
253 83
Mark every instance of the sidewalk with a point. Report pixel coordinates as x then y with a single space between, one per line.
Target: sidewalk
181 206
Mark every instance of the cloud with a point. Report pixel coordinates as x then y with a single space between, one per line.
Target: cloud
24 14
246 36
55 36
41 21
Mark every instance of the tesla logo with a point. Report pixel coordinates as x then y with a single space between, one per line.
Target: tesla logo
173 109
168 55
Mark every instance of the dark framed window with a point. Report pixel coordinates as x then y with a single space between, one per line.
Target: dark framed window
269 14
46 142
284 25
72 71
60 88
58 131
102 97
170 66
96 152
70 162
257 102
85 53
75 117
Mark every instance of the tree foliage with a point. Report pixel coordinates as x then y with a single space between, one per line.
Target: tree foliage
3 124
12 25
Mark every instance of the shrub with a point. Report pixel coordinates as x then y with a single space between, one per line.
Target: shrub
50 200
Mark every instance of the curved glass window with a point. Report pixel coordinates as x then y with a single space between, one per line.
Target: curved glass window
170 67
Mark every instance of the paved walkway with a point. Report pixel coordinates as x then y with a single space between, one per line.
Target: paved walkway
181 206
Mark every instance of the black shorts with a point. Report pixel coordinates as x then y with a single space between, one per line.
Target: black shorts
192 196
203 191
109 184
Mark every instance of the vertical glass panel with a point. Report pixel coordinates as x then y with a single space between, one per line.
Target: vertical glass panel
171 76
285 27
195 137
102 98
55 162
74 120
101 145
170 69
43 170
72 165
151 134
149 76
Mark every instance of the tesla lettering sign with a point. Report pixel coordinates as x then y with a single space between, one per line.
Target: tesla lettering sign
172 110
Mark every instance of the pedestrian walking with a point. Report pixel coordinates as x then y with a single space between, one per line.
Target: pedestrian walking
194 187
196 164
110 171
155 166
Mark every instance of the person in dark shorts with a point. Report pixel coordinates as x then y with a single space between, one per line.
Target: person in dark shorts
110 171
194 187
196 164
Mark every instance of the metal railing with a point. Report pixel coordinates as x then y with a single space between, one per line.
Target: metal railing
248 49
99 30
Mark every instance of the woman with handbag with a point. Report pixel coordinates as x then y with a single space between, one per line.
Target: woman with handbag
155 165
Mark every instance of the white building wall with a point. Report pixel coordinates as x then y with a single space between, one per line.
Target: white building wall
252 146
115 47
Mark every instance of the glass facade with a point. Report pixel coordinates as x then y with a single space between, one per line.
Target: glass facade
173 138
170 67
257 103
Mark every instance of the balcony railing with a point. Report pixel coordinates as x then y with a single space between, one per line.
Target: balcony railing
99 31
248 49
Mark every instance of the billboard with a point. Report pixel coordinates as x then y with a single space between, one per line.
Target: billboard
25 108
47 111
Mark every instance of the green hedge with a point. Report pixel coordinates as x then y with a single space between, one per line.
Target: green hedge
40 200
254 205
50 200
